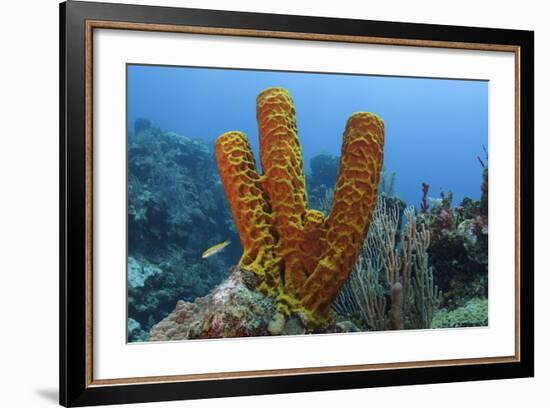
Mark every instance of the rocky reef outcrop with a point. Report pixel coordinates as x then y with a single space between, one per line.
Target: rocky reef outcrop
235 308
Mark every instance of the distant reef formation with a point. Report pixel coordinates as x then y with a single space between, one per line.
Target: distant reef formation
321 180
176 207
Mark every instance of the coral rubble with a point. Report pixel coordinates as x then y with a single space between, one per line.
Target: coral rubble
299 255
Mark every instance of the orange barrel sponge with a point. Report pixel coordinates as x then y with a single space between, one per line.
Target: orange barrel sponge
283 178
354 200
249 206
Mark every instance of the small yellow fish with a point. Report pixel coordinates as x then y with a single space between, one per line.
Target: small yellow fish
215 249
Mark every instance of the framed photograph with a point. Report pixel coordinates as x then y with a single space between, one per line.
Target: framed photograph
256 204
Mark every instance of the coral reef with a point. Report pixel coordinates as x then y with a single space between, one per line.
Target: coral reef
177 280
167 202
297 253
135 332
443 263
474 313
459 245
320 182
172 218
139 272
392 285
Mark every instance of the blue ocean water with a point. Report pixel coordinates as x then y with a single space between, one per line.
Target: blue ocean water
435 128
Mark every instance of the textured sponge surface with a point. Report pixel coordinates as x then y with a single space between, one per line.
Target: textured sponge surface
299 256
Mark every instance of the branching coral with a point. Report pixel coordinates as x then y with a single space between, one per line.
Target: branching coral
393 270
298 254
368 293
425 297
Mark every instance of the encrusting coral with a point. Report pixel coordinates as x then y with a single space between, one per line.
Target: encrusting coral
299 255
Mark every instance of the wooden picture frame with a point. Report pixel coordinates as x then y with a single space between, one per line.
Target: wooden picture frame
78 20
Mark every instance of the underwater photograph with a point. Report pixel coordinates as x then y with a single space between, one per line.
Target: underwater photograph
264 203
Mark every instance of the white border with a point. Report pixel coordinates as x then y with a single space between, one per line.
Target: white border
113 358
